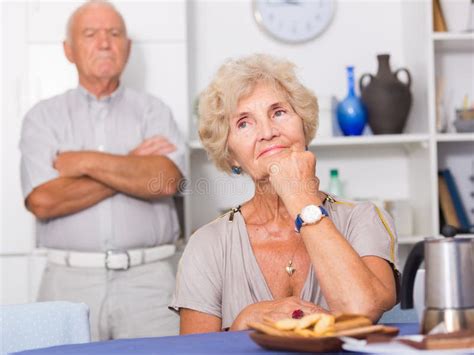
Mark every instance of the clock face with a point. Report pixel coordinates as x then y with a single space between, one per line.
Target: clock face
294 21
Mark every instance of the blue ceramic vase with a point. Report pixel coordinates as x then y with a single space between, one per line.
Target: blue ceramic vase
351 112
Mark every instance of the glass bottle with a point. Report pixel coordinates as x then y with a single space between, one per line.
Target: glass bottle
335 185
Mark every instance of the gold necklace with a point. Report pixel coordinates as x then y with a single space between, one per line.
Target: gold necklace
290 269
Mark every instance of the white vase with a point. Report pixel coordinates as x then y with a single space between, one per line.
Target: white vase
456 14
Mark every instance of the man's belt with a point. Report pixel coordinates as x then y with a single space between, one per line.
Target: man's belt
111 259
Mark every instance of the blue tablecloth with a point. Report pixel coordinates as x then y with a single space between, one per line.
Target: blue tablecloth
210 343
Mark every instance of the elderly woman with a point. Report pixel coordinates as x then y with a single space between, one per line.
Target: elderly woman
291 247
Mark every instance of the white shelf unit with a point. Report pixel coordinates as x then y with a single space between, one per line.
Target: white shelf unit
449 60
453 79
455 137
386 139
449 36
455 42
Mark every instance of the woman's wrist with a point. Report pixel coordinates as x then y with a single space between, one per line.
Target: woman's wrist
245 316
297 203
252 313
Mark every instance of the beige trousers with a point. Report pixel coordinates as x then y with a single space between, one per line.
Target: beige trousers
123 304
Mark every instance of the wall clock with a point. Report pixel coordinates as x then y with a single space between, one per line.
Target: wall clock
294 21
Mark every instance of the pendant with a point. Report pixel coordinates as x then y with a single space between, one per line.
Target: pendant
289 268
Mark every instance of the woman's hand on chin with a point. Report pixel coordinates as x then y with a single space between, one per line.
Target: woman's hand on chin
273 310
294 180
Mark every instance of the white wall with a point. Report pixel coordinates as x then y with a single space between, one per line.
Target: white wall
359 31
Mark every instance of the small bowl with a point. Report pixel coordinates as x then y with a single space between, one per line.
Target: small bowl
464 125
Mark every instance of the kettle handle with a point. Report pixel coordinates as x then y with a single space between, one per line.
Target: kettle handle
414 260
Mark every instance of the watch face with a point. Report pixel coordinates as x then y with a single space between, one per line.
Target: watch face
294 21
311 214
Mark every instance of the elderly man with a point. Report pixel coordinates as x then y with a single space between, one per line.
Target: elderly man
100 164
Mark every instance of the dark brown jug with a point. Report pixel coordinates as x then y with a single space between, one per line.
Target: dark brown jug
388 100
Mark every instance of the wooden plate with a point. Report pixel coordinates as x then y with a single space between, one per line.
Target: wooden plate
322 344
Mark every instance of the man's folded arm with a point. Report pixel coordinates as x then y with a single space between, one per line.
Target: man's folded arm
65 195
86 178
147 177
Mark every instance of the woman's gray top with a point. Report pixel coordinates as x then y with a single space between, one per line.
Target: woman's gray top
219 275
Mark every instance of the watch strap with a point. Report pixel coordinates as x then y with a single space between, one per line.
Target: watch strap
300 223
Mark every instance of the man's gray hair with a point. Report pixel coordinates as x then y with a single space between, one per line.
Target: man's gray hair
72 18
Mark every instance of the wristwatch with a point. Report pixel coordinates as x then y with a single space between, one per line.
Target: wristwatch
310 214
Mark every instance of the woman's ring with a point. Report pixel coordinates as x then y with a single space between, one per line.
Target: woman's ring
297 314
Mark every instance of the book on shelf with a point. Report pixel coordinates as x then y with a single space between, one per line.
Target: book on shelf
446 204
448 183
439 24
442 221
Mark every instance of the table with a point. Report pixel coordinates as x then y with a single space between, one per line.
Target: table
210 343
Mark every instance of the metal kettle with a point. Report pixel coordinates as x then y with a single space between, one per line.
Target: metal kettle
449 282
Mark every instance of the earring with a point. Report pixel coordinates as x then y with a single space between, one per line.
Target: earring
236 170
306 148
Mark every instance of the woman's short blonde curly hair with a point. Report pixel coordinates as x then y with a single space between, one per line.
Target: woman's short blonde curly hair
236 79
